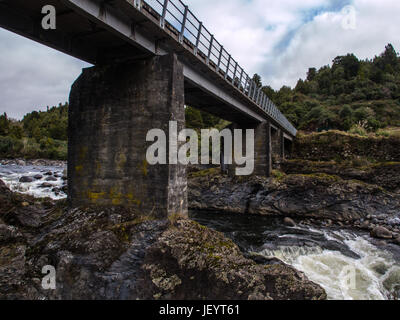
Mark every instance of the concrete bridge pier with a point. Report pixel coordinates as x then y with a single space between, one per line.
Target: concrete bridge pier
262 149
112 107
278 146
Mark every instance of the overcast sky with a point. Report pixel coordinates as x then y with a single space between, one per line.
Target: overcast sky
279 39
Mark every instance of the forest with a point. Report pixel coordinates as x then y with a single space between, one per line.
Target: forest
352 95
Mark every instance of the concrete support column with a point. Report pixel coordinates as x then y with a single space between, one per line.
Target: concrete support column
282 144
262 149
111 110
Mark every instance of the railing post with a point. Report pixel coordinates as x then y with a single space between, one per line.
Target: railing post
210 49
138 4
258 95
234 74
164 13
241 78
255 92
252 83
227 67
247 84
220 57
183 24
198 39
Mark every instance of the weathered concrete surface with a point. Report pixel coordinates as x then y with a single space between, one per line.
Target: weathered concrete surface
111 110
262 148
277 147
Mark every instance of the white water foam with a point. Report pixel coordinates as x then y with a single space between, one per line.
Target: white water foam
11 174
375 276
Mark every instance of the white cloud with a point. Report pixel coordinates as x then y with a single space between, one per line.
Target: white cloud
322 39
279 39
33 76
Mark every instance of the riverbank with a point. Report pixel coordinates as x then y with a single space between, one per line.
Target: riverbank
317 199
119 254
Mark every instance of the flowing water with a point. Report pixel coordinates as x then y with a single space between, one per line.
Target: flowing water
345 263
12 173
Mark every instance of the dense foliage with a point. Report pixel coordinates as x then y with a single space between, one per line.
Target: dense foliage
351 94
43 134
37 135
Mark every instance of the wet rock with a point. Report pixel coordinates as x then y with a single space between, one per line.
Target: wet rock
38 176
48 173
199 263
314 196
381 233
56 191
365 225
64 189
46 185
289 222
115 253
51 179
20 162
8 233
25 179
397 240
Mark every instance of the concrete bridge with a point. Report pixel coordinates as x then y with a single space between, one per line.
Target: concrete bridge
151 58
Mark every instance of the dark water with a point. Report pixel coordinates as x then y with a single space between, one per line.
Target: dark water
345 263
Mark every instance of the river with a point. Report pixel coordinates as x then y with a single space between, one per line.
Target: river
346 263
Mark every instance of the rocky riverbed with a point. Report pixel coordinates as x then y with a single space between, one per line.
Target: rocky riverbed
119 254
318 199
318 223
39 178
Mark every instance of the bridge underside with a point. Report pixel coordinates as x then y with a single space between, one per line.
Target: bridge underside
136 85
112 31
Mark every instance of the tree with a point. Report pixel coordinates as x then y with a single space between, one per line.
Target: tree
311 74
302 87
4 125
194 119
350 64
257 80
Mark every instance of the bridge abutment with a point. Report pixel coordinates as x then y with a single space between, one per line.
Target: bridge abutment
112 108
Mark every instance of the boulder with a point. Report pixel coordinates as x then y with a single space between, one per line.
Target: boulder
38 176
46 185
289 222
381 233
51 179
26 179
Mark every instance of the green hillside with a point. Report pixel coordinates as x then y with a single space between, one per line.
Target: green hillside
350 94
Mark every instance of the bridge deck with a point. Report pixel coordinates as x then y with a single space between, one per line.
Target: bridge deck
101 31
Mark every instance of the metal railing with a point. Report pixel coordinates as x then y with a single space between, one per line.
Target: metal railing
175 15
